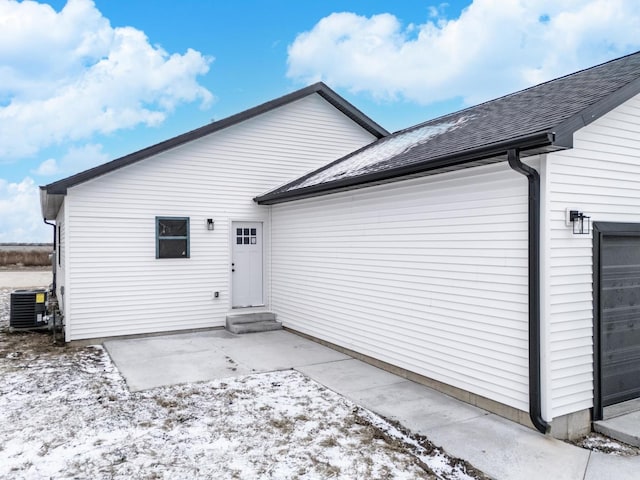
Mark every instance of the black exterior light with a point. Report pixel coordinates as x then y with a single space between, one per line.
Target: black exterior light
209 223
580 222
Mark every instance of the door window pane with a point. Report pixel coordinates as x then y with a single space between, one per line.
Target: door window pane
246 236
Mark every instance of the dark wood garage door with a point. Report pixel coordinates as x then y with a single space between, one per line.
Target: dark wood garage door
619 312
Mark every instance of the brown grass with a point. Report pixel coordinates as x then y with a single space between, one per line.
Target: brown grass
26 258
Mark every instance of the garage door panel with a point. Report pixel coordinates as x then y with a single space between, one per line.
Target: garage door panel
622 379
621 296
620 251
620 318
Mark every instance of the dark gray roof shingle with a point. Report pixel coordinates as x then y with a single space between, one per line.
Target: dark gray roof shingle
538 119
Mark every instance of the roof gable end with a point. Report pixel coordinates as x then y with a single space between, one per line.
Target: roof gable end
60 187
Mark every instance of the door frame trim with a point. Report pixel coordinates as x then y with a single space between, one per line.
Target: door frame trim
600 229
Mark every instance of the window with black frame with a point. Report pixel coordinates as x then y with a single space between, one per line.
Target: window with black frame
172 237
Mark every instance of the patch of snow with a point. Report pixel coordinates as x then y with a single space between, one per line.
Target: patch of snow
600 443
380 152
67 413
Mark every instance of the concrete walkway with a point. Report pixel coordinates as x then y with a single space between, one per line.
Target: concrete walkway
500 448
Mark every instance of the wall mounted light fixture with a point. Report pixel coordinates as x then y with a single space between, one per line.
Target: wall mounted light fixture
210 224
579 222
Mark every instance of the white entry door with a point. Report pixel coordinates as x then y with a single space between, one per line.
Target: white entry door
246 264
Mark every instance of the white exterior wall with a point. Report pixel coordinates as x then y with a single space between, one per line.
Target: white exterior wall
427 274
601 177
114 283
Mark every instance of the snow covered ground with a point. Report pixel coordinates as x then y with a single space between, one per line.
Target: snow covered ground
65 412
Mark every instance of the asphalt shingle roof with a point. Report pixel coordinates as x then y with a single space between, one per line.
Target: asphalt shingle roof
537 119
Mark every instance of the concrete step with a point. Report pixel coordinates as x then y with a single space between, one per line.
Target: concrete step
239 318
253 327
625 428
252 322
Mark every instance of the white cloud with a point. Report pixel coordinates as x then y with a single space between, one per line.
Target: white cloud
20 218
493 48
75 160
68 75
47 168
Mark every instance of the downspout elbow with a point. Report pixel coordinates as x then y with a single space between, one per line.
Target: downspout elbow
535 395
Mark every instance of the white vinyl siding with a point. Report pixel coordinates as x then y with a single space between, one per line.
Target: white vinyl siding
427 274
116 284
601 177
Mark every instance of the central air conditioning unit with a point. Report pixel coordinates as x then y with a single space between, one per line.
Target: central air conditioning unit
28 309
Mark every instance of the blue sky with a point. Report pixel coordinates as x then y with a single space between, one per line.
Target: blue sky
85 82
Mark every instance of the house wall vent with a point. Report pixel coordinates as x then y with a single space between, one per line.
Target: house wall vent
27 308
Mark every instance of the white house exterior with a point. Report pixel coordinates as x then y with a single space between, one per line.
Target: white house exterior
433 274
109 279
430 274
419 252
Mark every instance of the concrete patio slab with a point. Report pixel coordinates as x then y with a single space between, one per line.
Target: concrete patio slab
278 350
181 368
135 348
603 466
506 450
157 361
168 360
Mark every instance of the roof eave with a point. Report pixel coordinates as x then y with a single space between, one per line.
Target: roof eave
526 143
50 204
